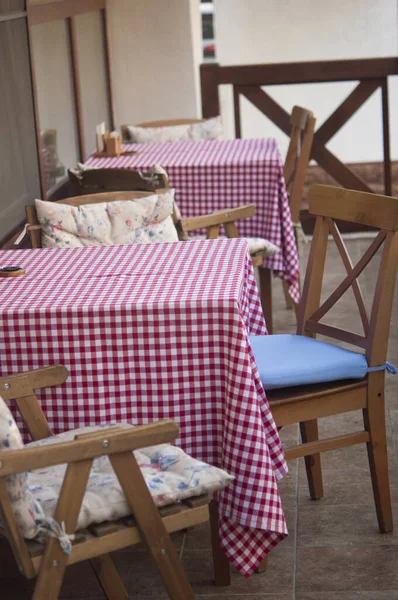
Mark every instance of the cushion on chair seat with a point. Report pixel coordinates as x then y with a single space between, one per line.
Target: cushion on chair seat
290 360
143 220
170 474
262 245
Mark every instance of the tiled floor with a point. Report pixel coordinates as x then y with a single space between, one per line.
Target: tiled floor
334 550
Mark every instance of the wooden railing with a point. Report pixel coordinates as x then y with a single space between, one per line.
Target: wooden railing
247 81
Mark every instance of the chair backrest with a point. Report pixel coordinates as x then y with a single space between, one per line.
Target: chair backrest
381 212
163 123
298 156
93 181
34 225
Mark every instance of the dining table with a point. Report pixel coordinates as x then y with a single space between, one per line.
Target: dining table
211 175
157 331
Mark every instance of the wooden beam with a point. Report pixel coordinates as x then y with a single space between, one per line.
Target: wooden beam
341 441
386 138
307 72
209 81
346 109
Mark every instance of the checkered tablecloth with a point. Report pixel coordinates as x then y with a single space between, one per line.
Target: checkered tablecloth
153 332
218 174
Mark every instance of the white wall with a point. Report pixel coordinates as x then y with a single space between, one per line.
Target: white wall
272 31
155 56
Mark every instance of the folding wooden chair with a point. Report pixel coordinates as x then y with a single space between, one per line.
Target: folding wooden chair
211 222
148 524
306 379
95 181
296 164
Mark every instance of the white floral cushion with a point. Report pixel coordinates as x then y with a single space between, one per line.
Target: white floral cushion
28 512
262 245
150 135
170 474
142 221
209 129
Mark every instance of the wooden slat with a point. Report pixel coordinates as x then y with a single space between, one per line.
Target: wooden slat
130 536
17 461
101 529
306 72
336 168
349 267
336 333
151 526
218 217
196 501
23 384
237 114
348 281
16 541
333 443
354 206
316 405
69 503
34 417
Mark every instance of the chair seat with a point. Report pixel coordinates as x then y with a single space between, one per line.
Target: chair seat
170 474
291 360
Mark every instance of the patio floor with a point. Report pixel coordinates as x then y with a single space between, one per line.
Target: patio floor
334 550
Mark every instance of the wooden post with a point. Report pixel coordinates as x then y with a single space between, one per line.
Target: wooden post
386 138
209 85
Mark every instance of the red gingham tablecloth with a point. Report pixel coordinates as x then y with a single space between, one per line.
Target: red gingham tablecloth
157 331
217 174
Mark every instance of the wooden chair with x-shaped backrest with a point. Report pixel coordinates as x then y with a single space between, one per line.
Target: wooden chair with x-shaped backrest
95 181
306 379
46 559
296 164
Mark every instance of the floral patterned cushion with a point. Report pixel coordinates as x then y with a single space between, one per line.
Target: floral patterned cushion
170 474
149 135
210 129
27 510
142 221
262 245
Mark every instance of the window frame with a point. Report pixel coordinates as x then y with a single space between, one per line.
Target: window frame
67 10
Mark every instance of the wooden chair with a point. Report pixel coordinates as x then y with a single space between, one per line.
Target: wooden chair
307 403
148 524
164 123
211 222
94 181
297 159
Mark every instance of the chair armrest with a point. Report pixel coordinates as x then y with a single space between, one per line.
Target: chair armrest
118 441
219 217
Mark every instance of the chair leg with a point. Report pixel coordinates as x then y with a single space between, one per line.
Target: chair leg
288 299
221 564
375 424
108 577
265 277
309 433
263 566
52 571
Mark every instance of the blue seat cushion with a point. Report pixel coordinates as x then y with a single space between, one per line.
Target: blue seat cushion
290 360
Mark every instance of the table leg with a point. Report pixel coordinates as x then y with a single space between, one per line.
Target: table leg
263 566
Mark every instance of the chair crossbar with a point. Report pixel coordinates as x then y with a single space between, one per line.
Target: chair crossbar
334 230
352 275
333 443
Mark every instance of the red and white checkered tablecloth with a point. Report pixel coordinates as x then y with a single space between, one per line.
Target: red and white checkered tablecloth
157 331
217 174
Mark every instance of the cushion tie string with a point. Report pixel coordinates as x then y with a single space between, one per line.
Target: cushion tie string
387 367
26 228
57 530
